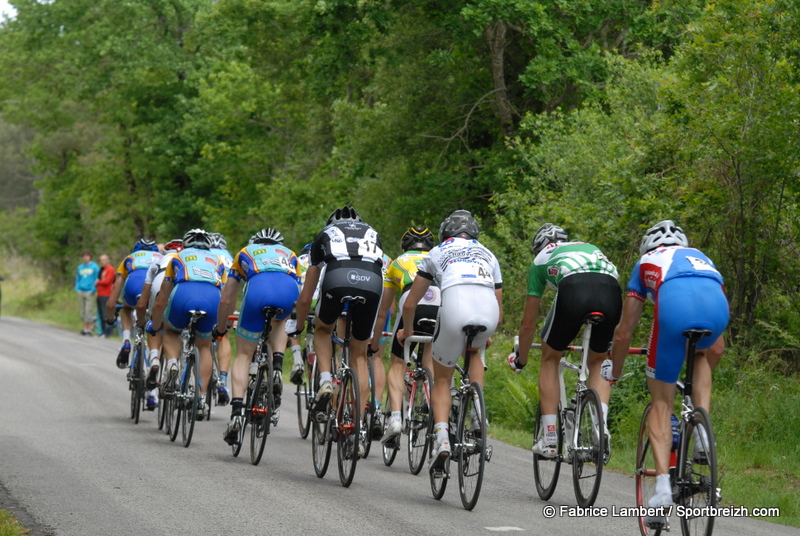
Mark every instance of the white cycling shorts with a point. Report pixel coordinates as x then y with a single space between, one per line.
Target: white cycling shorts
463 305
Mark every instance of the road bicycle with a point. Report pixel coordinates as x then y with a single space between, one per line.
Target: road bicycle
260 412
137 373
340 420
417 414
693 464
579 425
467 434
306 391
182 394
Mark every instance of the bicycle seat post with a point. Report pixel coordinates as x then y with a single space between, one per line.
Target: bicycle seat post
693 336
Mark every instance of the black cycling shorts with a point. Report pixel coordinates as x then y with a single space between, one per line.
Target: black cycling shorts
578 295
356 279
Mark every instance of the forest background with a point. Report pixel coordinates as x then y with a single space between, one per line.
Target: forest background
123 119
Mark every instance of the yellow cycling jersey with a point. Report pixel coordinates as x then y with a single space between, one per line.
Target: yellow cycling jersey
401 271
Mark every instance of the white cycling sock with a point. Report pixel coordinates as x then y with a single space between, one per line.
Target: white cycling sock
396 416
126 335
325 377
663 492
605 414
550 435
297 354
442 432
153 355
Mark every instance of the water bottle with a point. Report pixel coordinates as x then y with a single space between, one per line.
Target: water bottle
676 439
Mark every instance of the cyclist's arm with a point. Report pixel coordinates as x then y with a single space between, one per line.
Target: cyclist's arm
631 313
307 293
527 327
387 301
418 289
498 294
227 303
116 290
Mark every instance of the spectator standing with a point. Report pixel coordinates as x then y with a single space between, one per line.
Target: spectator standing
104 284
85 278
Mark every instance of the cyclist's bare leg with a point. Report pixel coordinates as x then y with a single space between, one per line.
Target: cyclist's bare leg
476 372
278 338
224 353
396 384
358 360
322 345
440 398
378 374
206 363
660 430
126 317
596 381
240 372
705 362
172 344
548 379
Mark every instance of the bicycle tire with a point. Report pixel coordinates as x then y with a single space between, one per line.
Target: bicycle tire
389 452
546 470
588 457
190 398
261 413
162 401
236 448
348 427
369 410
136 384
645 473
419 421
439 477
303 397
698 489
471 440
321 443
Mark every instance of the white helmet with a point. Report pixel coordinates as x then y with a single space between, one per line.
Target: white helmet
664 233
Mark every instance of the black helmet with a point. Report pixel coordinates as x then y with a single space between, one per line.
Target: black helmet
419 238
145 244
197 238
547 234
664 233
346 213
457 223
267 236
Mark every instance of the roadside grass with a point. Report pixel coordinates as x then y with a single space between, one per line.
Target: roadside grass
9 525
755 409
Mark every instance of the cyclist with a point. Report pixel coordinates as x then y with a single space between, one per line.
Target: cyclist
192 281
468 275
152 284
415 243
350 252
585 281
269 270
219 247
128 285
296 376
687 291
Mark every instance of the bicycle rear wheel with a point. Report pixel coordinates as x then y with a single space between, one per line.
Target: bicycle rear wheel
321 443
471 439
348 427
136 383
418 423
261 413
546 470
369 411
645 474
699 486
389 450
587 459
190 398
302 394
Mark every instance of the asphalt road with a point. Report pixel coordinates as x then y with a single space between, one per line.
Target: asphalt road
73 463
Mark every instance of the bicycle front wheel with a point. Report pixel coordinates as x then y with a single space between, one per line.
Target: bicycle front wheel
645 473
302 396
137 383
418 423
348 427
369 411
439 476
589 453
471 445
260 414
698 488
321 443
546 470
190 398
162 405
389 450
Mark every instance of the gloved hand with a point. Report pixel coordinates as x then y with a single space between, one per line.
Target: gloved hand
150 328
291 328
605 371
514 364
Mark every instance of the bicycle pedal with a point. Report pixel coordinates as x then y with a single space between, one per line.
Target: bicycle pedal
488 453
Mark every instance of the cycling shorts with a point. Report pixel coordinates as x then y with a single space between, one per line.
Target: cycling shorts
427 308
578 295
188 296
684 303
463 305
357 279
132 288
266 289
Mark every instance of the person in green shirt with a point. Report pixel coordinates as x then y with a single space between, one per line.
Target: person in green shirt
585 281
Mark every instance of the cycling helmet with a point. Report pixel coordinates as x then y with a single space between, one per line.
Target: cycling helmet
267 236
197 238
457 223
218 241
145 244
176 244
346 213
547 234
306 248
664 233
418 238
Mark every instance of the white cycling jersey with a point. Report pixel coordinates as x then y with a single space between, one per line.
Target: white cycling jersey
461 261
